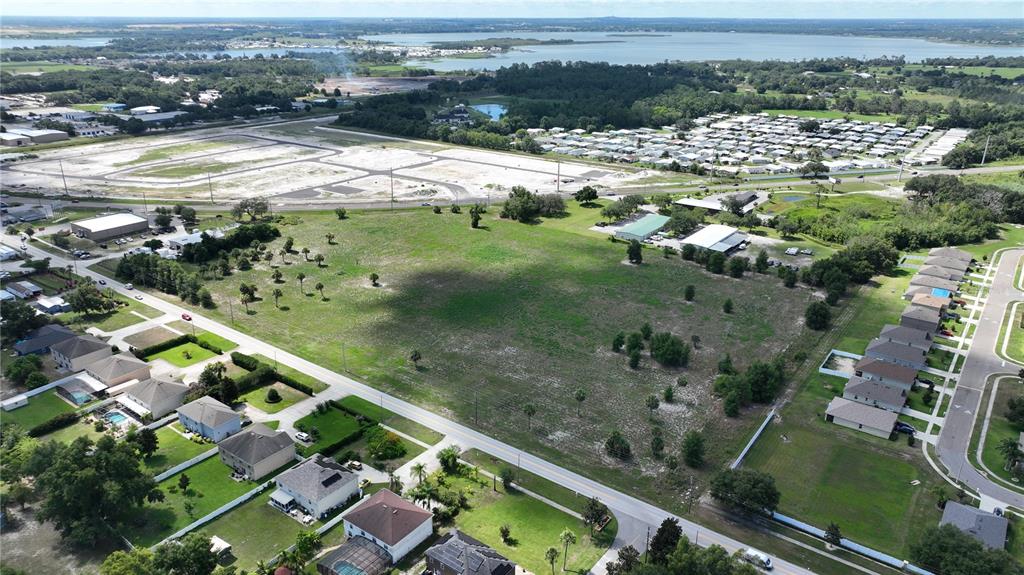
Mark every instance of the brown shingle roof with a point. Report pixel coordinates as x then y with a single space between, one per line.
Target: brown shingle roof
886 370
388 517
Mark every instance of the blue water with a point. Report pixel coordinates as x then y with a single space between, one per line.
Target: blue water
690 46
80 42
115 417
495 111
80 397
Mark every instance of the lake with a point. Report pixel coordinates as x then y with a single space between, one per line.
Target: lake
80 42
495 111
689 46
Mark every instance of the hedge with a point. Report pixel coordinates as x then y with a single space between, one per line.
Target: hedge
333 448
57 422
360 416
254 365
175 342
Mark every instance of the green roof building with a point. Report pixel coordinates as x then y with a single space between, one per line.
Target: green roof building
643 228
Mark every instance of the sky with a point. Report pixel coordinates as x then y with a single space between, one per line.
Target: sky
954 9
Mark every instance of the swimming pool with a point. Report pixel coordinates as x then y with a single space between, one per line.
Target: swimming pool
80 397
115 417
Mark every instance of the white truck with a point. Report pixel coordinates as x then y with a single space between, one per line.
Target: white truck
757 559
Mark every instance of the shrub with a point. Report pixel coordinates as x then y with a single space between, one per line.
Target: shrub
818 316
617 446
57 422
273 396
244 361
383 444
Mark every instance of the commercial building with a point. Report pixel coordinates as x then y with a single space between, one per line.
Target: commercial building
114 107
643 228
871 420
717 238
8 139
40 136
112 226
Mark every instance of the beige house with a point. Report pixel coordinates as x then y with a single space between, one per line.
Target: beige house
75 353
256 451
156 396
872 420
117 369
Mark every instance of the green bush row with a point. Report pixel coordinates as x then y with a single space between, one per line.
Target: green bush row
254 365
172 343
57 422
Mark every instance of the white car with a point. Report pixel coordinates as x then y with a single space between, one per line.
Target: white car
129 286
138 297
303 437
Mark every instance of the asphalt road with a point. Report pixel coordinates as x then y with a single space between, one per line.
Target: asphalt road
634 515
981 363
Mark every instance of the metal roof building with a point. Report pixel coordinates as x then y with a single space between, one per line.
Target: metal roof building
643 228
716 237
104 227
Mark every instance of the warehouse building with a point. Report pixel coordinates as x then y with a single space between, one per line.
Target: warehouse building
106 227
643 228
717 238
40 136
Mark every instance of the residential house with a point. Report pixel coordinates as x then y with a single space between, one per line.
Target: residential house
921 318
907 336
948 263
317 485
886 372
51 305
459 554
357 555
76 353
256 451
872 420
154 396
24 289
932 302
209 418
874 393
40 340
396 525
933 282
941 272
117 369
898 353
988 528
953 253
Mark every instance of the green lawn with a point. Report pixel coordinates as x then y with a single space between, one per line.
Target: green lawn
189 168
361 448
275 532
999 428
73 432
211 486
527 480
176 356
217 341
315 384
110 321
833 114
939 359
1015 338
39 67
258 397
392 420
40 408
333 426
172 449
535 526
168 152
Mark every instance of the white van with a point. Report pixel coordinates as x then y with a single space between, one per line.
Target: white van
757 559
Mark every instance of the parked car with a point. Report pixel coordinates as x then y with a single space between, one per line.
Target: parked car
186 317
104 246
303 437
807 252
946 333
354 465
902 427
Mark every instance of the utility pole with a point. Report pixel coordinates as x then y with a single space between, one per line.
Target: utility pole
391 175
209 184
647 545
984 154
558 178
344 360
145 203
61 164
231 310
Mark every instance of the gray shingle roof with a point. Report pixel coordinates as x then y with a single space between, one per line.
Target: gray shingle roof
951 263
316 477
921 313
388 517
208 411
156 389
72 348
932 281
983 526
868 390
907 335
256 443
467 556
42 338
872 417
115 366
950 253
895 350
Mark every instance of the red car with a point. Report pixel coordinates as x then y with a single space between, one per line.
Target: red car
186 317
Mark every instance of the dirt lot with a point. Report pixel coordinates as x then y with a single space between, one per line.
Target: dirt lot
301 161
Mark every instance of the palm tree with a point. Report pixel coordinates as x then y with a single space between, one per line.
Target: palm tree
291 560
330 238
580 396
261 568
319 259
284 254
245 302
302 278
551 555
277 293
305 254
419 471
1010 451
529 410
320 288
567 538
277 275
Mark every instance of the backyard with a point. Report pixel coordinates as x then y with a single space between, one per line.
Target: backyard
40 408
509 312
333 425
183 355
172 449
258 397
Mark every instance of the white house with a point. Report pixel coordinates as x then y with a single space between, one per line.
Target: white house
317 485
392 523
75 353
154 396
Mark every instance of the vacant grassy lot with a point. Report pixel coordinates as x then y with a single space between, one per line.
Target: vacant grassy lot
211 486
40 408
258 397
316 385
151 336
39 67
999 428
333 425
833 114
111 321
275 533
392 420
168 152
183 355
510 314
172 449
527 480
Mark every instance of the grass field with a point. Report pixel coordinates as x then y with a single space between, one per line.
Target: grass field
833 114
217 341
527 480
514 311
275 533
1012 334
172 449
535 526
151 336
211 486
999 428
39 67
392 420
183 355
258 397
333 425
1008 72
189 169
316 385
110 321
40 408
169 152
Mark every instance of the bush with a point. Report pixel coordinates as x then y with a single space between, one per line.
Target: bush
244 361
58 422
382 444
617 446
273 396
818 316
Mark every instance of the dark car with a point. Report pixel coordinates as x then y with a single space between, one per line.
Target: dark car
905 428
